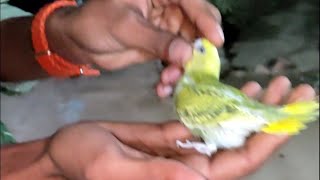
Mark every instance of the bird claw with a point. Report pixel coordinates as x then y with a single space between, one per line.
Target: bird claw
198 146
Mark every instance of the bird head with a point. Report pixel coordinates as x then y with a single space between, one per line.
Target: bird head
205 59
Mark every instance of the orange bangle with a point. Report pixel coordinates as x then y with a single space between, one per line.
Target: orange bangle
49 61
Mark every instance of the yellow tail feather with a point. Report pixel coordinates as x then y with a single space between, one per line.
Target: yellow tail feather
284 126
302 108
299 114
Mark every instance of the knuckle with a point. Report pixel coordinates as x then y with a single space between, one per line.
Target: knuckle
125 19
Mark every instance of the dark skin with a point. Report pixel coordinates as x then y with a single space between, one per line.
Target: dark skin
13 31
98 34
105 150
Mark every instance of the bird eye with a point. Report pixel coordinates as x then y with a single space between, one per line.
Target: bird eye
202 50
199 46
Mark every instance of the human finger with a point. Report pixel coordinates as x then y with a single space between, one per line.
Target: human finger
161 43
121 59
251 89
277 90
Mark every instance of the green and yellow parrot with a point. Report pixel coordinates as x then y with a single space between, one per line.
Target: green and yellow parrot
222 115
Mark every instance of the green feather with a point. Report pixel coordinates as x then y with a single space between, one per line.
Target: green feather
203 102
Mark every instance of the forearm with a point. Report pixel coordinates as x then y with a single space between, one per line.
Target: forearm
27 161
18 62
17 57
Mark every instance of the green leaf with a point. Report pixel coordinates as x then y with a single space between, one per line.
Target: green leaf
5 136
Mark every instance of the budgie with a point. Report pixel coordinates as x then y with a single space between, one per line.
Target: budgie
221 115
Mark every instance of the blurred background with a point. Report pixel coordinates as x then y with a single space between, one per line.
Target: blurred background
263 39
267 38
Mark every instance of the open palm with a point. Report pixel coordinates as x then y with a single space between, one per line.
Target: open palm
148 151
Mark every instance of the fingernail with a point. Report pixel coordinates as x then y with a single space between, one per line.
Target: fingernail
220 32
167 90
179 51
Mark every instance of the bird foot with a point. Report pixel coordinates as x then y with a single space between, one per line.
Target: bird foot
198 146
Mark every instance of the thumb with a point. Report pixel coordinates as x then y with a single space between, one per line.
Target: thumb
159 139
144 35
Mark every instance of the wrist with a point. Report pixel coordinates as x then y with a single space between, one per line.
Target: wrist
59 60
57 33
27 160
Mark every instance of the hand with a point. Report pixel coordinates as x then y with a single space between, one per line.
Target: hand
115 34
100 150
118 151
234 164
